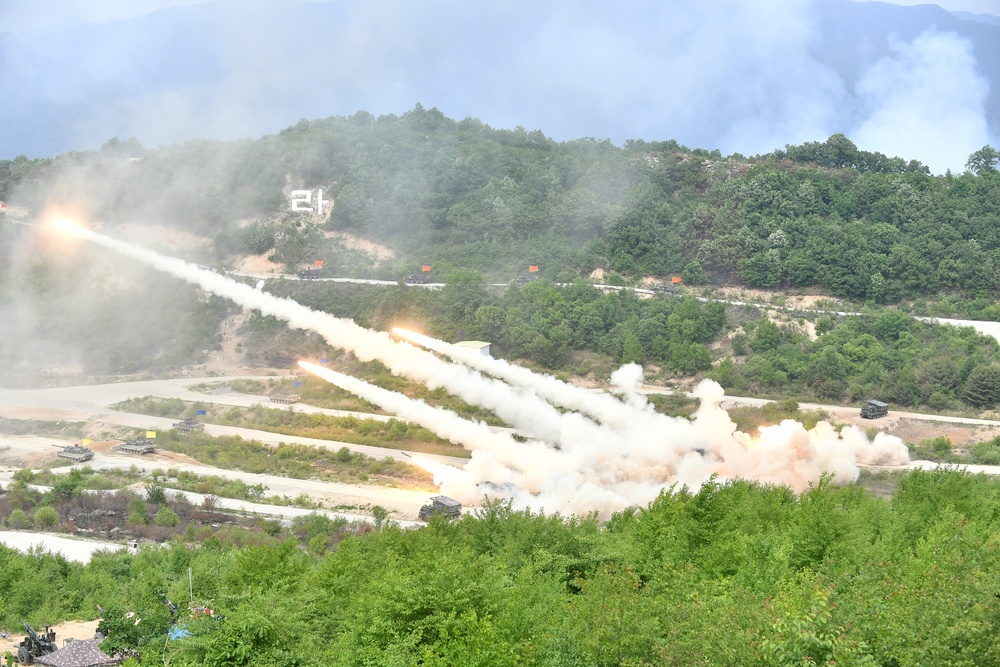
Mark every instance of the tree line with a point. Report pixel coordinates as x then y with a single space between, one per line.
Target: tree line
463 195
732 574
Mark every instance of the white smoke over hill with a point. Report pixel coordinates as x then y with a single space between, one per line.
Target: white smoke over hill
603 455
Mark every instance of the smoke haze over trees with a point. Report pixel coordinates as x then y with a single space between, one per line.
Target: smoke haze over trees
481 205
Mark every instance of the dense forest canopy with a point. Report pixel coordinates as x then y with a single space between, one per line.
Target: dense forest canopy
733 574
459 194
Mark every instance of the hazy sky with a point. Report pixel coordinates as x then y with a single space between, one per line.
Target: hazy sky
28 14
734 75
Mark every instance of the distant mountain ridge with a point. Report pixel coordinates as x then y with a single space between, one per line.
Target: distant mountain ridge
230 68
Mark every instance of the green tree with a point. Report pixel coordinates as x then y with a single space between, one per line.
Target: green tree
982 388
693 274
18 519
632 351
45 518
984 161
166 517
766 336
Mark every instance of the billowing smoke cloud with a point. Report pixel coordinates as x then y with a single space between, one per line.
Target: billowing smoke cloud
926 100
521 410
578 465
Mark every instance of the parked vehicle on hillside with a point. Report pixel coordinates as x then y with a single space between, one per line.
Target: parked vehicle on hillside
873 409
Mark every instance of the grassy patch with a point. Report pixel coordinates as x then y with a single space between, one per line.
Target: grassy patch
750 418
41 427
392 434
295 461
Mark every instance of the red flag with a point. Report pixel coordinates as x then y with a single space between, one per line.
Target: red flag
532 269
425 268
675 279
3 206
319 262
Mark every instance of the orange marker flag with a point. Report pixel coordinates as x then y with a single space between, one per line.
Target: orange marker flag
532 269
319 262
425 268
675 279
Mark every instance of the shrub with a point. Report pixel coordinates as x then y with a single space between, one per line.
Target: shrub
166 517
45 518
18 519
155 495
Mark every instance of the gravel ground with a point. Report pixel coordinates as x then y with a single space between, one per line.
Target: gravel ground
72 549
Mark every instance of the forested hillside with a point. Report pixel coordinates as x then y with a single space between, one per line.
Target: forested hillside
734 574
459 194
480 205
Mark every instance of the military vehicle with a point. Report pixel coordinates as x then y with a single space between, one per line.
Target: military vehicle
189 424
286 398
75 453
35 645
523 280
138 446
664 288
873 409
311 273
443 505
417 279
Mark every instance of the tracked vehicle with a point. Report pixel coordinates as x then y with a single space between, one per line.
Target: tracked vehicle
873 409
75 453
449 508
285 398
138 446
188 425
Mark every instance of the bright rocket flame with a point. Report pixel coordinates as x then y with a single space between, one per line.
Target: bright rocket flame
414 337
442 472
67 226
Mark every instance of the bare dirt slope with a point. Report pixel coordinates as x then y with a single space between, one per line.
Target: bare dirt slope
66 630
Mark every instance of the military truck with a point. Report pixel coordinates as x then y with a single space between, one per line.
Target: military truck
138 446
312 273
75 453
873 409
443 505
188 425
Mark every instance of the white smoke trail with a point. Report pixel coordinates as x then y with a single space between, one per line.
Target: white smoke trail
475 436
627 460
521 410
602 407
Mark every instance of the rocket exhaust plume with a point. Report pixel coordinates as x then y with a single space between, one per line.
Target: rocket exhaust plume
603 455
471 435
521 410
600 406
